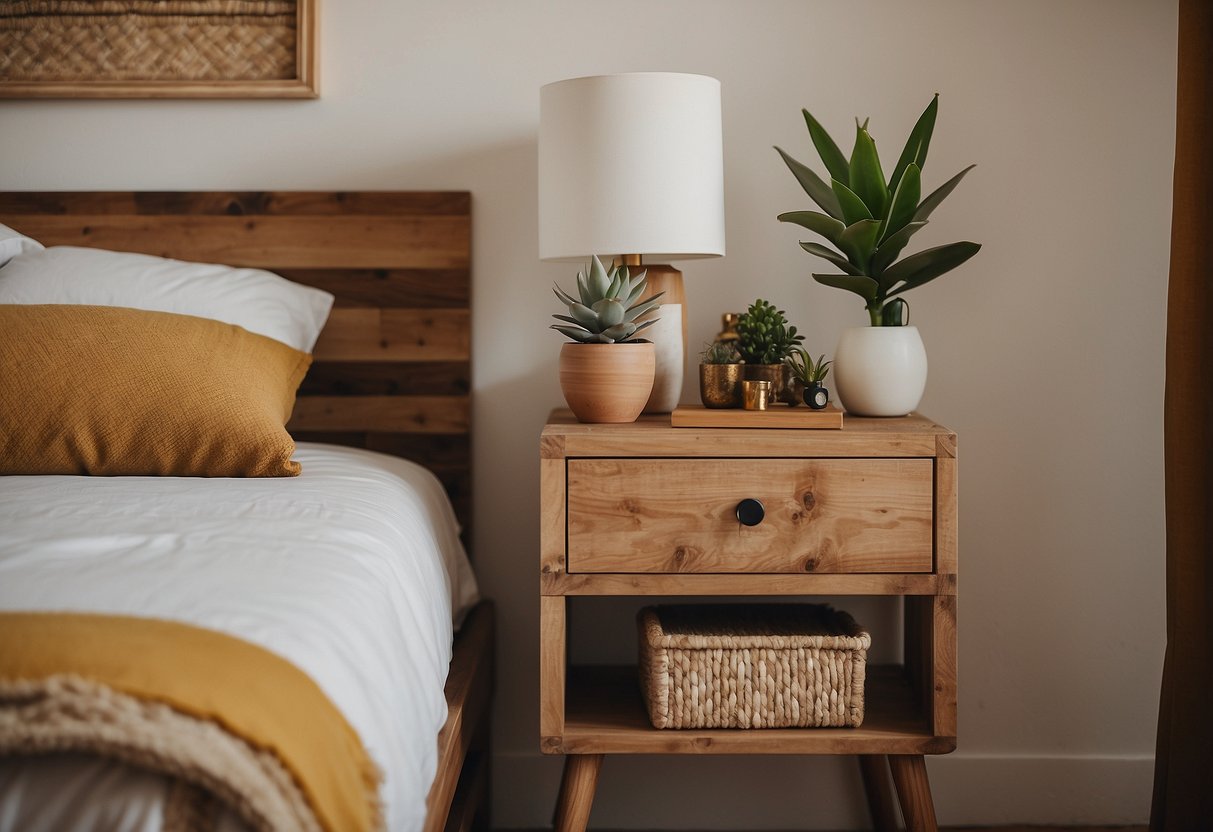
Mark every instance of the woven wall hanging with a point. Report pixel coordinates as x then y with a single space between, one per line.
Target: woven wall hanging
158 48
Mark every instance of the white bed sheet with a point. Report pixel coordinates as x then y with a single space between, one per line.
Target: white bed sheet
353 571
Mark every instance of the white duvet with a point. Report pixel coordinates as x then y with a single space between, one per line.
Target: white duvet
353 571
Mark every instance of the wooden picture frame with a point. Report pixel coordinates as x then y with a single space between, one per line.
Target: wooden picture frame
93 82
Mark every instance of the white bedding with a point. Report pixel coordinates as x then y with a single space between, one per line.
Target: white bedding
353 571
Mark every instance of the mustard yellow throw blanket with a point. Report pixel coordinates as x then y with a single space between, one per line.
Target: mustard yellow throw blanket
226 720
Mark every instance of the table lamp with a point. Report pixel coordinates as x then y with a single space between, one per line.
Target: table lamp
631 166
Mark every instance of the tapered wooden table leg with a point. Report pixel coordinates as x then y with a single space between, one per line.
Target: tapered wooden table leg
875 771
913 791
577 791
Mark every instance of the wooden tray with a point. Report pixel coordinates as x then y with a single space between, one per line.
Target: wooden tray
775 416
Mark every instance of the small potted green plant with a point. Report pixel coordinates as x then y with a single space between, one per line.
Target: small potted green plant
606 372
868 220
809 375
765 339
720 374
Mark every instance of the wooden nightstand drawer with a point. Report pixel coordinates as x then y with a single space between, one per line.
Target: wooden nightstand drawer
819 515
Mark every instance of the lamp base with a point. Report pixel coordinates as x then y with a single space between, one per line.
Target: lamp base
663 278
667 385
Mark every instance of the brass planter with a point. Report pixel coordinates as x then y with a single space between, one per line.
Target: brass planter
778 374
720 385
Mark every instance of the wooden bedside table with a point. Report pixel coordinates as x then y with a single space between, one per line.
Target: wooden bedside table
647 509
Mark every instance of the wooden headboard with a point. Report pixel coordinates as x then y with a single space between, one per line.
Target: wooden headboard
392 368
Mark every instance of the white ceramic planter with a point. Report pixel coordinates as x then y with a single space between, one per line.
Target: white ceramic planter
880 370
666 336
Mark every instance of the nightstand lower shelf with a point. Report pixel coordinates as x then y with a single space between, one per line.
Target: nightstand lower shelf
605 714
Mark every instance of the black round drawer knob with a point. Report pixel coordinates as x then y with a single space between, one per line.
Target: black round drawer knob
750 512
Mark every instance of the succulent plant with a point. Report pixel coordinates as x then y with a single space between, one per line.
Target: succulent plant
719 352
869 221
805 369
607 307
765 336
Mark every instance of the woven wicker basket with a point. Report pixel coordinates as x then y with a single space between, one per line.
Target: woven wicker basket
752 666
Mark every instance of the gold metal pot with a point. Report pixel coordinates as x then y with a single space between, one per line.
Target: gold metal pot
776 374
720 385
756 394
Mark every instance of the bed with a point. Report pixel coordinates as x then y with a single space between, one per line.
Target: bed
390 375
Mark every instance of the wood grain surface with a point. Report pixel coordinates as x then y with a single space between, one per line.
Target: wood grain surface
367 334
552 664
689 583
874 769
913 792
266 242
606 715
577 787
469 689
908 436
824 515
552 495
776 416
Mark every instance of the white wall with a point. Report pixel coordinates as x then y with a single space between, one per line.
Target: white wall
1046 350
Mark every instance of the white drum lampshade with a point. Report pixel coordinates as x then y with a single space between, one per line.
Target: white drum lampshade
632 165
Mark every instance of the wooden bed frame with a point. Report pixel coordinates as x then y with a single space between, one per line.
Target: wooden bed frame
392 369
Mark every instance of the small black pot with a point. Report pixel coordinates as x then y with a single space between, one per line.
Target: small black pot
816 396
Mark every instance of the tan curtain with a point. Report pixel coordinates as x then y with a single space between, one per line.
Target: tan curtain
1183 769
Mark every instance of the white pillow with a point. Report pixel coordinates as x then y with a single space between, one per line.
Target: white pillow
257 300
13 243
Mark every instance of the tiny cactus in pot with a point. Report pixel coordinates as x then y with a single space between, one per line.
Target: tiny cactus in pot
806 370
810 375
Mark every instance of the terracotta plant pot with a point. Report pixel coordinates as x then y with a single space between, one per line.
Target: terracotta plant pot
607 382
720 385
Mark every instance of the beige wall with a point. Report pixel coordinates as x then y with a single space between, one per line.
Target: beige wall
1046 350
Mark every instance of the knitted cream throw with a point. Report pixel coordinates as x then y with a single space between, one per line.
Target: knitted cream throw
227 722
208 765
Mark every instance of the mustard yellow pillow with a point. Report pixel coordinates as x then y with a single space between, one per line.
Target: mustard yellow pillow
115 391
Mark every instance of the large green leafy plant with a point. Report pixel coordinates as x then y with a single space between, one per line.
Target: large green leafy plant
869 220
607 305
